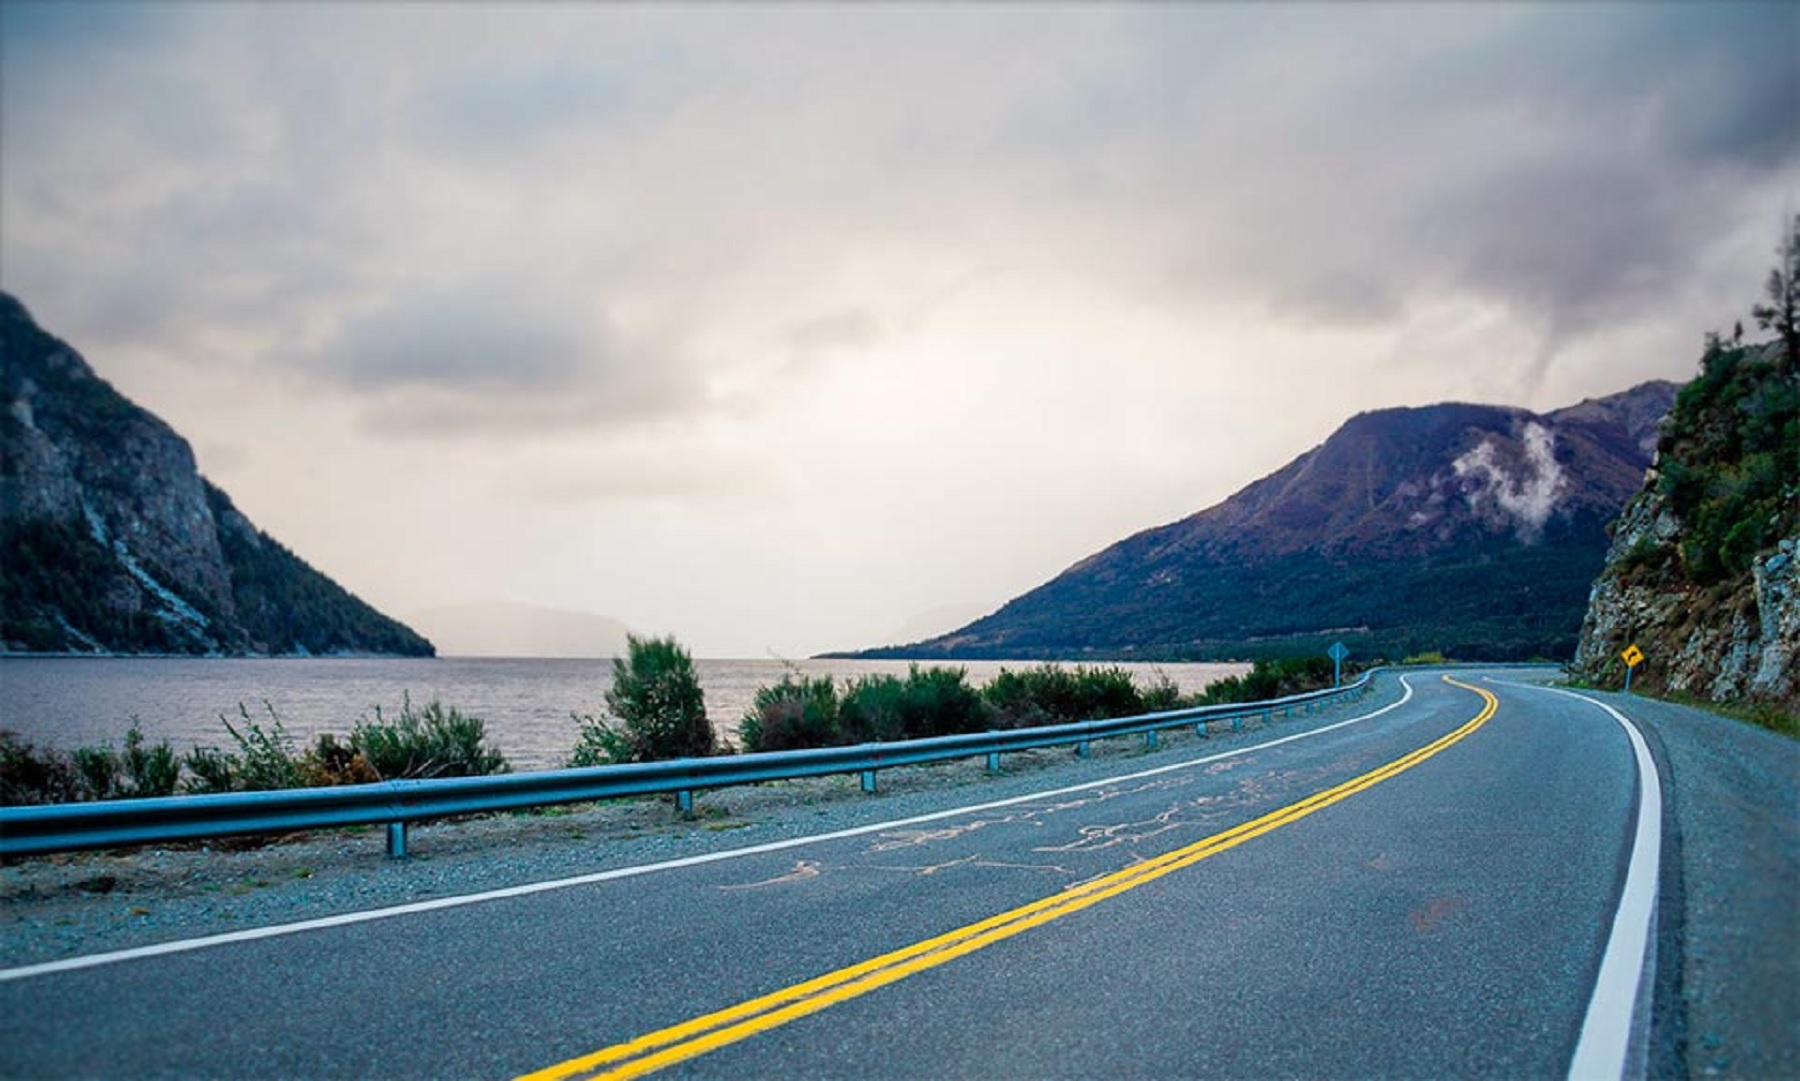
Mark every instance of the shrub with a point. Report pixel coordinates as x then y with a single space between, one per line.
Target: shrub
939 702
1272 679
331 761
657 709
1163 694
267 761
210 770
97 771
150 771
432 741
1051 694
873 709
29 775
795 713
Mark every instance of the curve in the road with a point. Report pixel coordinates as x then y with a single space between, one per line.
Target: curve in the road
253 934
654 1051
1610 1042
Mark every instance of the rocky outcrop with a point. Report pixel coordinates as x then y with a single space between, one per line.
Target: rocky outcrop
1713 622
111 541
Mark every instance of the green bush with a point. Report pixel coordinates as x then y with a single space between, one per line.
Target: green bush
795 713
1051 694
873 709
1163 694
657 709
150 770
932 701
209 770
1272 679
98 771
30 775
939 702
1728 468
432 741
267 760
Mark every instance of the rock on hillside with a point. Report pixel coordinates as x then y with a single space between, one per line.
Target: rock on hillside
1471 529
1704 573
111 541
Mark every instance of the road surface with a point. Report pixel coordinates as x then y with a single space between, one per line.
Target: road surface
1428 887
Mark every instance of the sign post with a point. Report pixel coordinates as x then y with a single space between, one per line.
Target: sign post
1632 656
1337 653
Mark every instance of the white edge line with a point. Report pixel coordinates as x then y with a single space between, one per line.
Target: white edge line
252 934
1604 1048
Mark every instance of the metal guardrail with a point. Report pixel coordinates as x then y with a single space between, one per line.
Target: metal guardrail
71 827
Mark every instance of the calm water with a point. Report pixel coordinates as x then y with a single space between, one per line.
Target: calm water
71 701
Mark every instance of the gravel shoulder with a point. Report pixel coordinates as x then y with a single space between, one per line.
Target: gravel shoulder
1730 908
71 905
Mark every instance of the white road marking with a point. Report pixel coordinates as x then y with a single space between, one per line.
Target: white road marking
72 964
1605 1050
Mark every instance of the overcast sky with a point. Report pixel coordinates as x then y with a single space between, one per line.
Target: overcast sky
776 326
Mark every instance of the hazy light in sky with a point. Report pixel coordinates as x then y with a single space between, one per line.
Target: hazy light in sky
776 326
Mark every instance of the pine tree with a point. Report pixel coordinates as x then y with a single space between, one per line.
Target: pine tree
1782 313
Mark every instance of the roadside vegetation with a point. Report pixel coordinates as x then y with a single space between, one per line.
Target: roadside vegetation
655 710
433 740
801 711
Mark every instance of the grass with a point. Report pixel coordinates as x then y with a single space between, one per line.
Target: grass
1767 715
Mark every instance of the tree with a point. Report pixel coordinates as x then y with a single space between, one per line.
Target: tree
1782 313
658 705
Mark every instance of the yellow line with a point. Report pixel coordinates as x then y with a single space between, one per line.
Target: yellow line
677 1043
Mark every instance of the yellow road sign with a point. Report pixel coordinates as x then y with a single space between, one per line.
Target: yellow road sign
1633 656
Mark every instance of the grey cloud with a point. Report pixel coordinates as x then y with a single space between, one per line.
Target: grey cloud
447 361
463 341
1568 163
848 328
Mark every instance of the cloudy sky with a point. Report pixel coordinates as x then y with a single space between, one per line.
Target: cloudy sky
776 326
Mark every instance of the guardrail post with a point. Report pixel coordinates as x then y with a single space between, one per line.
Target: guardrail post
396 840
1082 748
1150 740
993 761
1237 722
684 802
1200 729
868 781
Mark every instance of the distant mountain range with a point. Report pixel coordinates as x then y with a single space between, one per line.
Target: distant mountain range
112 542
502 629
1475 530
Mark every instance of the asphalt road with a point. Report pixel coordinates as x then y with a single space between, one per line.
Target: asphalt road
1424 893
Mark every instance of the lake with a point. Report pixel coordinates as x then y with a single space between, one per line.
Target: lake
66 702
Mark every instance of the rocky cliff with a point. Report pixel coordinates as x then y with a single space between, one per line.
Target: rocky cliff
111 541
1471 529
1703 573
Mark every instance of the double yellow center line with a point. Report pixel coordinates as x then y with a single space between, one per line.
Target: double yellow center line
677 1043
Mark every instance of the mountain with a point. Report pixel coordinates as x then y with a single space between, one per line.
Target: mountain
499 629
1471 529
1703 575
111 541
936 621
